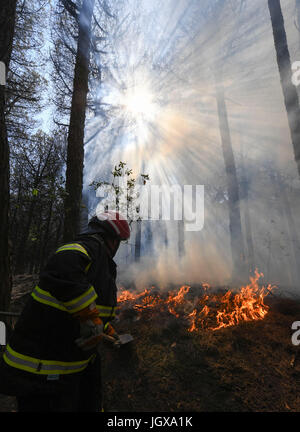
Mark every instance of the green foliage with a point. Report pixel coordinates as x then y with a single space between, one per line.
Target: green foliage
121 171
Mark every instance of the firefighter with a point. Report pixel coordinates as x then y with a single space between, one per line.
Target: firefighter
52 360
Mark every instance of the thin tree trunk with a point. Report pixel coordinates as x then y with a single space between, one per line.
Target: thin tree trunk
46 236
22 247
138 240
58 232
32 263
35 259
293 233
7 28
181 247
286 264
13 217
298 17
84 213
247 219
285 70
235 226
149 237
180 232
75 150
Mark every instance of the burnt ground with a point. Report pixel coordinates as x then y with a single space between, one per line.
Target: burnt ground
253 367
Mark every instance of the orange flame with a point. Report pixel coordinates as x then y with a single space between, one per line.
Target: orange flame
177 299
210 311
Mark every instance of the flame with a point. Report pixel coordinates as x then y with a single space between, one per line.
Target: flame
126 295
176 300
209 311
247 305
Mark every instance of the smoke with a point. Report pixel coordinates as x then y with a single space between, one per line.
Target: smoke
195 267
159 115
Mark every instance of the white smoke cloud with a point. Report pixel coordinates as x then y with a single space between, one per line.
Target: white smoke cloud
170 49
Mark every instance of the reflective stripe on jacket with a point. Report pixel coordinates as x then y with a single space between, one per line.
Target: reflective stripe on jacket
75 305
43 367
43 340
72 306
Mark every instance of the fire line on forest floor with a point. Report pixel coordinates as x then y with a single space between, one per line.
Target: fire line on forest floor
208 310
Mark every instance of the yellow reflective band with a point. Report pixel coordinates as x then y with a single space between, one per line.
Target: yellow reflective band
46 298
71 306
73 246
43 367
82 301
106 311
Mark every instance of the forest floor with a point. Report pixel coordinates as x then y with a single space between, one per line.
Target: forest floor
252 367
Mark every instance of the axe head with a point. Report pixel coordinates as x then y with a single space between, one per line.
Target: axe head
125 338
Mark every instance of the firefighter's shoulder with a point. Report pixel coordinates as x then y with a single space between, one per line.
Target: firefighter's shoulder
74 247
87 247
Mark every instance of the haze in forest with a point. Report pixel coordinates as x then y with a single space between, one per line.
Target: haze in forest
173 55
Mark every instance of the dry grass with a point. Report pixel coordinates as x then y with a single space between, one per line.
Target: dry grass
250 367
243 368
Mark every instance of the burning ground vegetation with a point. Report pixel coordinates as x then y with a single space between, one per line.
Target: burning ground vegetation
197 348
202 349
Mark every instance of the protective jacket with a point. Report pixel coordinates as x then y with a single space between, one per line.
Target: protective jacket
78 274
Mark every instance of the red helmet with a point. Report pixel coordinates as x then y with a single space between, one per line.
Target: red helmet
112 223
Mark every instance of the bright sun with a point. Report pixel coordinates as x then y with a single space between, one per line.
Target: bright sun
139 103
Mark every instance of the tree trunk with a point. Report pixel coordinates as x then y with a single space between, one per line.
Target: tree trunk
285 70
298 17
180 233
235 227
22 246
286 269
7 28
58 234
247 219
148 237
181 247
46 236
75 150
138 240
293 233
84 213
